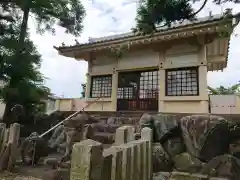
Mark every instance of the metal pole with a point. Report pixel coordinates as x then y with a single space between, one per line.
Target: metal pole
54 127
69 117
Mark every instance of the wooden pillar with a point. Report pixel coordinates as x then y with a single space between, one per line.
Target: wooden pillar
161 78
88 86
114 90
88 75
202 73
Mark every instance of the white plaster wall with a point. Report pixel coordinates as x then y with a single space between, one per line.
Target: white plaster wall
187 60
103 65
139 59
133 60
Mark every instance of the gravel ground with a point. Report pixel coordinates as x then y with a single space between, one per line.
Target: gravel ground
14 176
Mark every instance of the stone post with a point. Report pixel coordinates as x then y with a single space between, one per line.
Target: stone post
134 162
86 160
5 137
116 170
138 156
106 166
14 135
124 135
126 161
2 131
147 135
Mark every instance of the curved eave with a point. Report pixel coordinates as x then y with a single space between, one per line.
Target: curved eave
66 54
217 54
82 51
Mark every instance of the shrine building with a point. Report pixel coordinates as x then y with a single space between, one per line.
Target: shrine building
164 72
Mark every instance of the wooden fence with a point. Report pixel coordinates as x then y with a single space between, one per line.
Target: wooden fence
127 159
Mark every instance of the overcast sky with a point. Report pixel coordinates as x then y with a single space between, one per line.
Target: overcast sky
108 17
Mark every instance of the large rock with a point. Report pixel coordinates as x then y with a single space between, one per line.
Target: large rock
174 146
235 140
163 125
40 149
57 137
110 128
161 176
225 166
186 163
146 121
205 136
104 137
161 160
77 120
73 135
235 148
112 120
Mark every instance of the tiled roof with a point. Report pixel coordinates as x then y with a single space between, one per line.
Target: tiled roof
131 36
173 26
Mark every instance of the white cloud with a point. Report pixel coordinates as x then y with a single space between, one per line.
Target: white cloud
106 17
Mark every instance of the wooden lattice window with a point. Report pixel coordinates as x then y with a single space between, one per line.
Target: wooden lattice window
182 82
101 86
149 85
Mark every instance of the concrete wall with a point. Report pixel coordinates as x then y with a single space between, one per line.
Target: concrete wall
225 104
74 104
79 104
220 104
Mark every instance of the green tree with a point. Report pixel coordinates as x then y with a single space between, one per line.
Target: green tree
66 13
157 13
221 90
24 84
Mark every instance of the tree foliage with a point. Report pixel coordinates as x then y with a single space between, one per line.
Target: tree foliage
66 13
24 84
221 90
19 60
152 14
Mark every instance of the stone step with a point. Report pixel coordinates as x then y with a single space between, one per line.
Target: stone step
119 119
